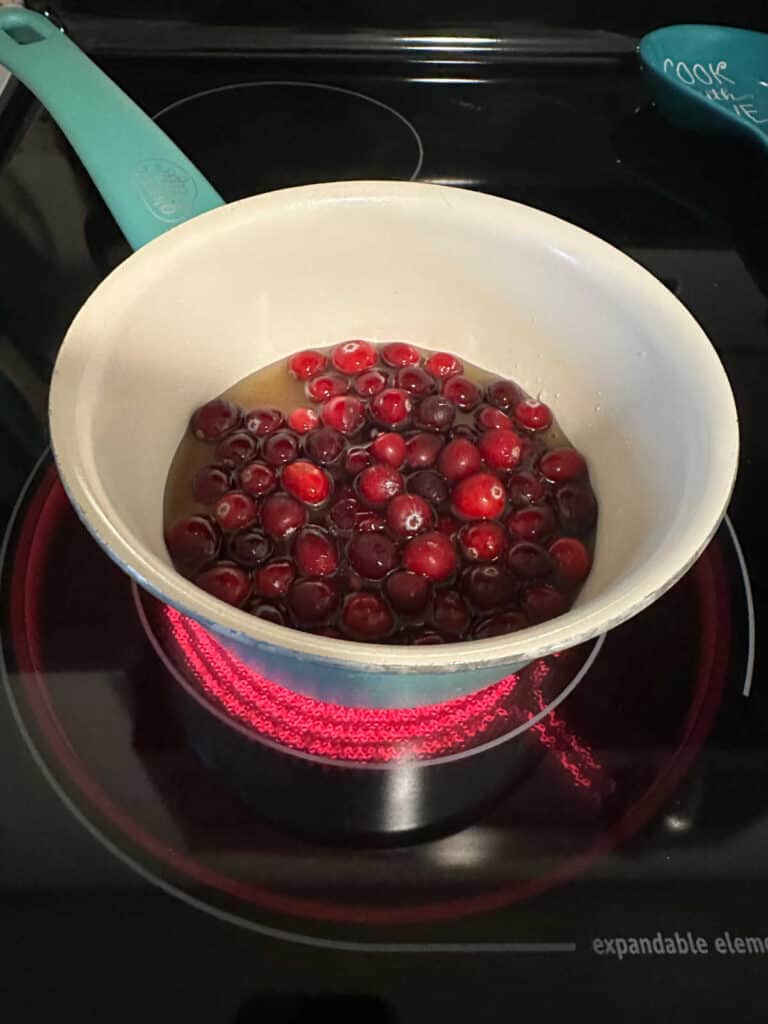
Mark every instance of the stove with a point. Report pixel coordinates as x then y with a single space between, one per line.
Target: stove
158 861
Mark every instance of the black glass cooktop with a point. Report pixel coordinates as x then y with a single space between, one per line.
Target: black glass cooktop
620 866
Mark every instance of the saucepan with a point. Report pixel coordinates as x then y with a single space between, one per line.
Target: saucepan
215 291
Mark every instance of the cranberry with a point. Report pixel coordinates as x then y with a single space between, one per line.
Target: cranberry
281 448
533 415
313 601
424 639
435 412
524 489
488 417
390 448
543 602
214 419
249 547
501 449
483 541
226 581
533 523
303 420
234 510
408 592
409 514
324 445
345 413
450 613
572 560
370 383
366 615
432 554
488 586
480 496
192 543
499 625
528 560
282 515
429 485
443 364
315 553
210 483
378 483
391 407
356 461
354 356
236 448
463 392
449 526
274 579
268 612
460 458
504 394
307 482
368 521
343 514
326 386
423 450
398 353
264 421
373 555
561 464
415 380
576 508
305 365
257 479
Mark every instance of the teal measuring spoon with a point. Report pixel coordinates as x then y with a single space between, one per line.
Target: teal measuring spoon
709 78
146 181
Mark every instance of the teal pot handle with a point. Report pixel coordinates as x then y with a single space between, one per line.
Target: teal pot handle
145 180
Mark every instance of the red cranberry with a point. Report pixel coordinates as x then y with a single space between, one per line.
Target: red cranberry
378 483
408 592
274 579
366 616
356 461
373 555
499 625
235 510
368 521
443 364
488 586
524 489
264 421
343 514
480 496
214 419
281 448
459 459
313 601
324 445
561 464
429 485
543 602
488 417
326 386
409 514
504 394
257 479
307 482
576 508
315 553
391 407
528 560
533 415
432 554
501 449
423 450
429 638
305 365
389 448
192 543
268 612
415 380
483 541
398 353
370 383
533 523
249 547
572 560
303 420
449 526
354 356
450 613
345 413
210 483
226 581
234 449
435 412
282 515
462 391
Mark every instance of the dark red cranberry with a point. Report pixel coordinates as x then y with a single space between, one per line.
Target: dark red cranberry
257 479
501 449
281 448
398 353
369 521
435 412
315 553
235 449
210 483
571 559
377 484
409 514
524 489
423 450
500 625
226 581
214 419
249 547
415 380
533 415
389 448
303 420
324 445
391 407
264 421
307 482
192 543
282 515
235 510
326 386
504 394
533 523
562 464
576 509
370 383
528 560
459 459
432 554
343 513
268 612
488 586
442 364
345 413
429 485
483 541
274 579
426 639
480 496
313 601
352 357
543 602
408 592
488 417
463 392
449 526
366 616
305 365
356 460
450 613
373 555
